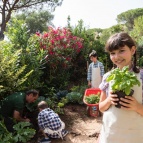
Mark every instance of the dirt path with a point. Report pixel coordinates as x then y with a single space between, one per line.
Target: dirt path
83 129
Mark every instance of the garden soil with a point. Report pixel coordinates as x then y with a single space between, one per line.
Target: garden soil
82 128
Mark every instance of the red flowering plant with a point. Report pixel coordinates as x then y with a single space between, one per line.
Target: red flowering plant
61 46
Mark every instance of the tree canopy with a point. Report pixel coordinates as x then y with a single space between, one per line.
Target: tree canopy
128 17
36 20
8 6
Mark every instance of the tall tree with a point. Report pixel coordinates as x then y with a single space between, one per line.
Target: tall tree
128 17
137 33
8 6
106 33
36 20
138 28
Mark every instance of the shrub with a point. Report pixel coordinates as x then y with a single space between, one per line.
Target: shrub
61 47
23 133
11 76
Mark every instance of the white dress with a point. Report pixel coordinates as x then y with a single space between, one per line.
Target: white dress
122 126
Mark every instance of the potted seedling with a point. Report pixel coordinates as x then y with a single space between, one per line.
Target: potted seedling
122 82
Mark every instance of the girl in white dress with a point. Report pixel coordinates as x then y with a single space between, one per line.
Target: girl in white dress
125 124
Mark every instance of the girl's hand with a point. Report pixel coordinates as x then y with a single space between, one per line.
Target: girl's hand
131 103
112 98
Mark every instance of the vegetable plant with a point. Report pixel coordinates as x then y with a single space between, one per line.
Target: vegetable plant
123 80
92 98
22 133
74 97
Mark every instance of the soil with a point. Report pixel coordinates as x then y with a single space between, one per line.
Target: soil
82 128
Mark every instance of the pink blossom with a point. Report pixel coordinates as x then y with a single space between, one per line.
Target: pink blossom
45 35
37 33
52 41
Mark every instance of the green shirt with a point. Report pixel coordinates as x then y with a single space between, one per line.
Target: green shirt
13 102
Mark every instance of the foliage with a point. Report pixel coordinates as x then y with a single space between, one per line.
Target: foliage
36 21
90 42
138 25
34 58
79 88
23 133
31 55
61 47
106 33
94 30
137 32
60 44
11 77
74 97
140 61
62 102
140 52
17 33
92 99
122 80
60 94
128 17
7 7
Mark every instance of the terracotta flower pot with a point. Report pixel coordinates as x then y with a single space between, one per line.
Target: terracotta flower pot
121 94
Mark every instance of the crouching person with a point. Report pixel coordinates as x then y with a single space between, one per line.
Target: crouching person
50 123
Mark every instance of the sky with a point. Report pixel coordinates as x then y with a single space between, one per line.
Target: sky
94 13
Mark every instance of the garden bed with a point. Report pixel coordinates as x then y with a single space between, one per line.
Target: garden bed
83 129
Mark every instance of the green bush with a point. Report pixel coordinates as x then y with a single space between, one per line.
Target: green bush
23 133
11 76
31 55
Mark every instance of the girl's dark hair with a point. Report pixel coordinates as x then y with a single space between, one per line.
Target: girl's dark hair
93 53
119 40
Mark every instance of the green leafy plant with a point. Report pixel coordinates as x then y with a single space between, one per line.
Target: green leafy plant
12 77
79 88
92 98
122 80
62 102
74 97
30 54
22 133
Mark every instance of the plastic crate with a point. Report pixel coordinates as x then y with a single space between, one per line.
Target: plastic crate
89 92
92 109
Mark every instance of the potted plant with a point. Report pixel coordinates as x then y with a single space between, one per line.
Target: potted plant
93 98
122 82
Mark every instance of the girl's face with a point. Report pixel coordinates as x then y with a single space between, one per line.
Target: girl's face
93 59
122 56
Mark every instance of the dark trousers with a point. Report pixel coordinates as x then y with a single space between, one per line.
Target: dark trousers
9 123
